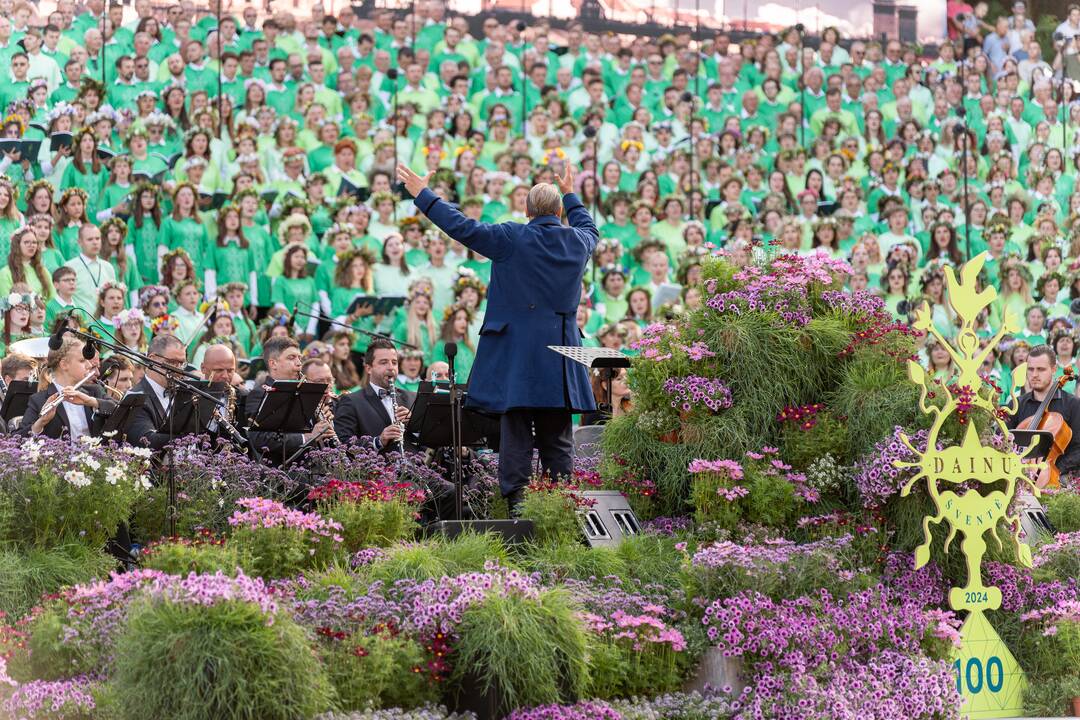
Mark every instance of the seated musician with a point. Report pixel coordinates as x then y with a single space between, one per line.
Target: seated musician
82 411
116 374
147 420
1041 366
14 368
317 370
219 366
368 411
282 356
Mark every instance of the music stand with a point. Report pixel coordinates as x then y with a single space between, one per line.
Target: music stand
289 406
121 416
430 419
1023 438
187 414
17 399
606 359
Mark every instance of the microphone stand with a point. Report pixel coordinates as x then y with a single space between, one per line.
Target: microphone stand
455 428
369 333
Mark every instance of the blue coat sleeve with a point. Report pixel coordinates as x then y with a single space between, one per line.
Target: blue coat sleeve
580 219
491 241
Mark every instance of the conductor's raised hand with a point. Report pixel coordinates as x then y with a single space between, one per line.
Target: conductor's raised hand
566 180
413 182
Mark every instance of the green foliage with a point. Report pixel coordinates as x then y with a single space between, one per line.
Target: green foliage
371 523
874 395
554 515
26 575
1063 510
1050 696
435 557
182 557
378 671
620 670
278 552
533 651
573 560
802 447
650 559
217 662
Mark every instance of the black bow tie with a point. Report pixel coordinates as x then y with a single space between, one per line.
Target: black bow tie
383 394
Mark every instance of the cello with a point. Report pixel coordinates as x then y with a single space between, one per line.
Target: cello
1054 424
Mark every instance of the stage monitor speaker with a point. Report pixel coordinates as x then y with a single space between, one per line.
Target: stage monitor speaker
1034 525
512 532
608 519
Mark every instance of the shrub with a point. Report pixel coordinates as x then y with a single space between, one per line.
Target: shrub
1063 510
528 646
553 508
435 558
277 542
202 556
810 431
558 562
51 700
1050 696
634 653
232 658
27 575
378 670
374 513
762 490
53 493
428 712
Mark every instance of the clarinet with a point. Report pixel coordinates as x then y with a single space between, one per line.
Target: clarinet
393 411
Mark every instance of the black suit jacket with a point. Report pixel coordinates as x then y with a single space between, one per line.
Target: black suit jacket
58 426
361 414
145 421
275 447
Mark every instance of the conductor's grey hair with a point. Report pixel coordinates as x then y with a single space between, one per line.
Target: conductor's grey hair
544 199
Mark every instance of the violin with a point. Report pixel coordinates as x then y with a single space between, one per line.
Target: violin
1053 423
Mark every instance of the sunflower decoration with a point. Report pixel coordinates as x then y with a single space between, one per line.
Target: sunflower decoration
16 119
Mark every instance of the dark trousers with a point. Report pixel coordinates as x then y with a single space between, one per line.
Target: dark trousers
547 430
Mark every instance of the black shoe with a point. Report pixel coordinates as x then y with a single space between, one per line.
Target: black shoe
513 503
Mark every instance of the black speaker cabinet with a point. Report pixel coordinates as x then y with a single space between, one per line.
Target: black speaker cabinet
513 532
608 519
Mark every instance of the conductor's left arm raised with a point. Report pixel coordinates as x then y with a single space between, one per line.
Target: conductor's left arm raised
485 239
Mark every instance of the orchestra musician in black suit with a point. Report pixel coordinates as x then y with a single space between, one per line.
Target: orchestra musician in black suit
146 426
83 410
283 362
368 411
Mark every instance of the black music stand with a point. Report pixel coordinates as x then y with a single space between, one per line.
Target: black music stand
605 359
16 399
430 419
121 417
289 406
188 415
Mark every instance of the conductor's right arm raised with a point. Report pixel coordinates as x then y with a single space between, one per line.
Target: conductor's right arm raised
492 241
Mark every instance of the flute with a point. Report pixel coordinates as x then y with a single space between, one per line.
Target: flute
54 402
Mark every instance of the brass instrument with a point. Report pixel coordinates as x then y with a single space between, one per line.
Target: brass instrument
109 389
54 402
226 417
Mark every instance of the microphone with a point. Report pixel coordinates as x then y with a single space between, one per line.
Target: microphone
589 131
521 26
89 350
392 73
451 351
57 338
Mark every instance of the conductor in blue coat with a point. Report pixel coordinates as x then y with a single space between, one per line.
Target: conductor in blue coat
533 297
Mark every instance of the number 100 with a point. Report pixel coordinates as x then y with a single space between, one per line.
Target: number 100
973 676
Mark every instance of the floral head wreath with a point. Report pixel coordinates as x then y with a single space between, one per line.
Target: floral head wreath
464 148
281 319
609 245
363 253
292 221
147 292
411 221
62 109
12 299
627 144
73 192
467 278
130 315
1013 261
16 118
168 257
452 310
610 269
554 153
428 150
12 189
38 185
109 285
227 288
164 322
145 185
1046 277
